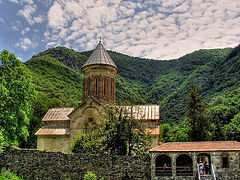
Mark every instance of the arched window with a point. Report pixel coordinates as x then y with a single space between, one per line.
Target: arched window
224 160
163 166
89 83
184 165
111 87
96 85
90 125
104 86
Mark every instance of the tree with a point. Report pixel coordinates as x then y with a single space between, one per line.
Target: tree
174 133
88 143
223 109
2 141
90 176
165 133
125 135
114 132
180 132
16 96
197 116
118 133
232 130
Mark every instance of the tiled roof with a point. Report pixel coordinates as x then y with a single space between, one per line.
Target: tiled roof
153 131
99 56
53 130
198 146
144 112
57 114
141 112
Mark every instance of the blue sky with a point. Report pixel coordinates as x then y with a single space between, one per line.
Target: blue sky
158 29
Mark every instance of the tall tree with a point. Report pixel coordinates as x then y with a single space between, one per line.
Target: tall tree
165 133
117 133
16 95
232 130
197 116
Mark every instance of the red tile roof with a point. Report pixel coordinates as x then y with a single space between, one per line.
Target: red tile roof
197 146
57 114
51 130
153 131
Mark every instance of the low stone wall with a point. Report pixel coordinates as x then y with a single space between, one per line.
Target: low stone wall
34 164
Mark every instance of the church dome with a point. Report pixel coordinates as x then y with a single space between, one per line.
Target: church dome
99 56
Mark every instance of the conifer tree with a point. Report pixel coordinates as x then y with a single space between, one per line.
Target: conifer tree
197 116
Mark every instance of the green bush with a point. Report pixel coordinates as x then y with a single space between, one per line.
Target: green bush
2 142
7 175
90 176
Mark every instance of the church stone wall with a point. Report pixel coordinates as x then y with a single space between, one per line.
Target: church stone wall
53 143
85 116
34 164
155 141
103 74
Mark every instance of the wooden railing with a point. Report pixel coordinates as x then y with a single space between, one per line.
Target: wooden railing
163 171
184 171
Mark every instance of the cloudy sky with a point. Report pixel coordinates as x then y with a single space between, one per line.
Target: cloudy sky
158 29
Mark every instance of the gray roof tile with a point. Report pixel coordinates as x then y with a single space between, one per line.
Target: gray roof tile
99 56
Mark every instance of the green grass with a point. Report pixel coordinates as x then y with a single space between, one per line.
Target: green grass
9 175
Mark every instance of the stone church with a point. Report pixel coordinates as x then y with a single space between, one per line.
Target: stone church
62 125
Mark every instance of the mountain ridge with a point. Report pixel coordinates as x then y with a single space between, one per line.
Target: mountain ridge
142 81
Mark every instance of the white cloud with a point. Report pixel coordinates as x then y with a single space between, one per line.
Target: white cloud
55 16
2 20
16 25
26 43
52 44
27 12
154 29
22 1
25 30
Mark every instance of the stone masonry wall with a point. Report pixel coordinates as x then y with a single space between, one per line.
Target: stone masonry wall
230 173
34 164
53 143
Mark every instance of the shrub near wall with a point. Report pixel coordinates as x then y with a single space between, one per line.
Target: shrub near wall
34 164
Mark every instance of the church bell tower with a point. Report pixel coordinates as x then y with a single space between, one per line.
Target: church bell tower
99 73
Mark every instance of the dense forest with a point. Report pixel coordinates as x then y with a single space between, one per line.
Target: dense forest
57 80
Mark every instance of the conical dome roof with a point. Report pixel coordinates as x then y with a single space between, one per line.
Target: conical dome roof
99 56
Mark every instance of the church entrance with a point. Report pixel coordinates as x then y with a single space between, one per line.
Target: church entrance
205 159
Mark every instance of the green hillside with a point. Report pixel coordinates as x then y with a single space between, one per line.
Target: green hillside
57 75
57 81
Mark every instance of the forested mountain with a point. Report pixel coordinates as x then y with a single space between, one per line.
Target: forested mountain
52 78
58 80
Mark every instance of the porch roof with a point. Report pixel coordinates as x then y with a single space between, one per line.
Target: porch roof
153 131
203 146
53 130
